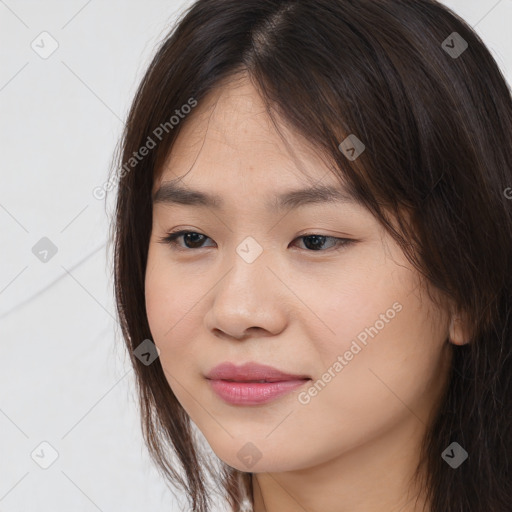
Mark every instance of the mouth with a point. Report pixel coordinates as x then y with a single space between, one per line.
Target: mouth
252 383
264 381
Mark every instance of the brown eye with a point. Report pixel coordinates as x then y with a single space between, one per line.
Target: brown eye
192 239
315 242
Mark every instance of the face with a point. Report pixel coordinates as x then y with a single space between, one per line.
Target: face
316 289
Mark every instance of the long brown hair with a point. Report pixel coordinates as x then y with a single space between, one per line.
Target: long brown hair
418 86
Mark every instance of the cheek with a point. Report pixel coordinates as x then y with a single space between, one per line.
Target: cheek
168 321
157 302
173 310
385 332
362 301
163 306
393 357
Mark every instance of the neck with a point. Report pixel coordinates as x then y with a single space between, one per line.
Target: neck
375 477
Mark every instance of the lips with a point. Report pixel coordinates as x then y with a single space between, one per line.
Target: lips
252 384
251 372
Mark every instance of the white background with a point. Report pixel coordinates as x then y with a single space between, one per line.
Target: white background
64 376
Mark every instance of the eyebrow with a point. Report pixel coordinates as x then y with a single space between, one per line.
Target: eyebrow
173 193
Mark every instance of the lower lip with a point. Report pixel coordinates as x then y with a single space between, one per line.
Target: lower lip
253 393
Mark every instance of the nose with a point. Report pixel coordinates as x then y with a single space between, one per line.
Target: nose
248 301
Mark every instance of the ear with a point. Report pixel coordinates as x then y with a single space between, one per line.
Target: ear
458 331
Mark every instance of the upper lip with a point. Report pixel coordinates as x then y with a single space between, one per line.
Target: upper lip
250 372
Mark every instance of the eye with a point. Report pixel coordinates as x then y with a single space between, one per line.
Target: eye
314 241
194 240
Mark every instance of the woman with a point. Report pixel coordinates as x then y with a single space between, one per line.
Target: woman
312 258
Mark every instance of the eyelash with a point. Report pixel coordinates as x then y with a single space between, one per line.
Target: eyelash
171 240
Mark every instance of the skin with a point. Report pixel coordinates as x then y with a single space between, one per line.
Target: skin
354 446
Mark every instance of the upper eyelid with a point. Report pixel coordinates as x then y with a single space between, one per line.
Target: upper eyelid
182 232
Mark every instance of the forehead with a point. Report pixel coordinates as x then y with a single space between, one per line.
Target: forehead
230 138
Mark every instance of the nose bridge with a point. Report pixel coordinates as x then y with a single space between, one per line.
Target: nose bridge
248 269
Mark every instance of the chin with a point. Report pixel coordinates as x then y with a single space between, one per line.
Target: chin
253 457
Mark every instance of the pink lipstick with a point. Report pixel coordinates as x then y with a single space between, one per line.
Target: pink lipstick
252 383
